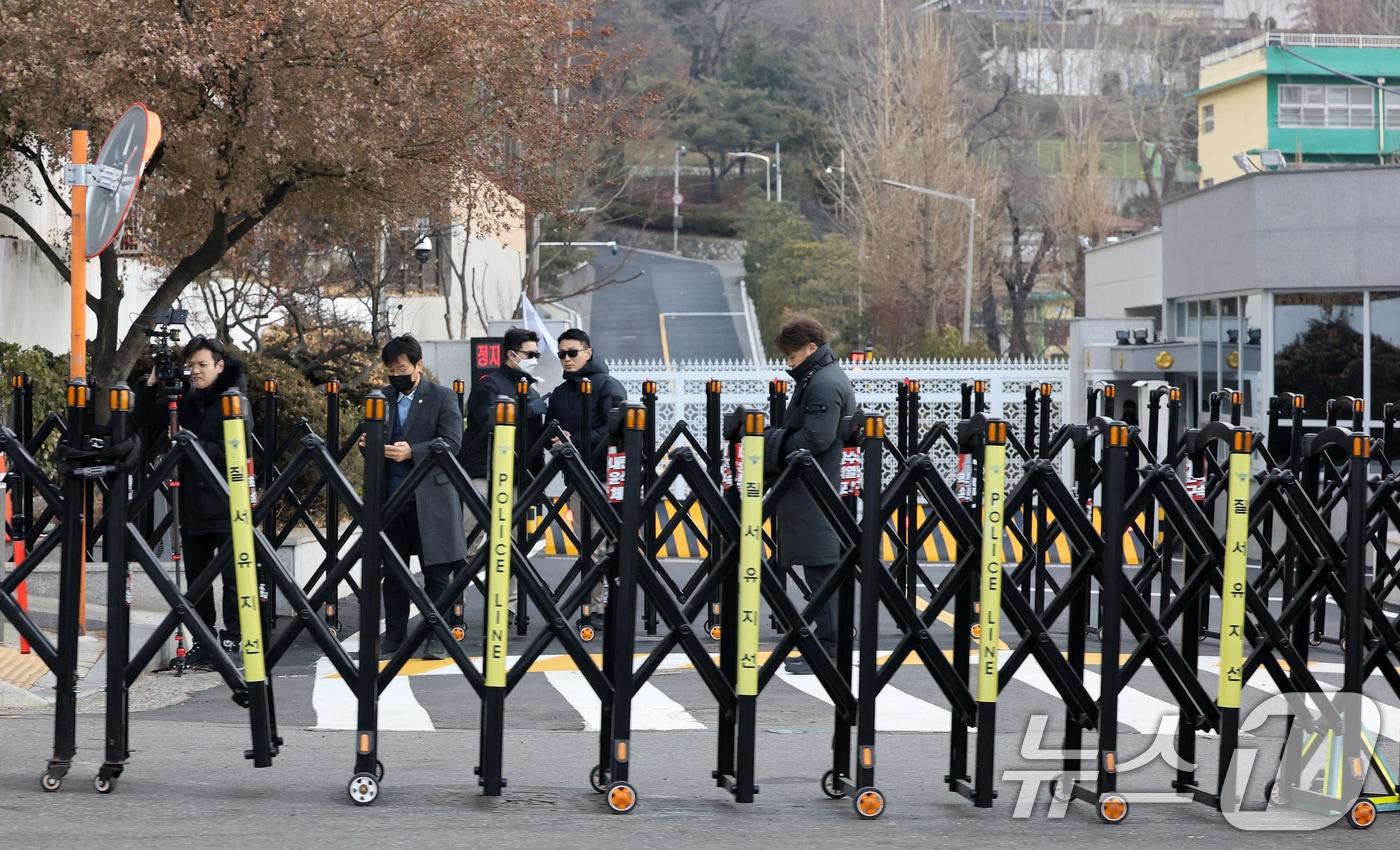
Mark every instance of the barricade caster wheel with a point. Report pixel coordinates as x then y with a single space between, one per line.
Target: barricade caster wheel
458 633
49 782
598 778
379 770
1099 632
363 790
715 632
1315 640
1113 808
104 784
622 797
1273 795
585 633
976 631
1362 814
1062 790
869 804
830 787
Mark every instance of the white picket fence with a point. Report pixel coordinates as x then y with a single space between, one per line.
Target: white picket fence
681 389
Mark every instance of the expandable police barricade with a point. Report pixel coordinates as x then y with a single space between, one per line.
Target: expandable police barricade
1208 521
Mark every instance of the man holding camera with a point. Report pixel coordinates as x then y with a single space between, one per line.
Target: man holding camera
209 371
430 524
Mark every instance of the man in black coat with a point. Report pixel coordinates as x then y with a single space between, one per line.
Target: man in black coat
418 412
204 522
520 355
567 405
822 397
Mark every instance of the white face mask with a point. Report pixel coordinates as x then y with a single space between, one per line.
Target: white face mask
528 364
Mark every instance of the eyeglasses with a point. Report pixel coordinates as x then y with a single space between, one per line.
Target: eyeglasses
533 355
570 353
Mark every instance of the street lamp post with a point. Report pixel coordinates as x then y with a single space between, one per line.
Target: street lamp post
841 169
971 204
767 169
675 202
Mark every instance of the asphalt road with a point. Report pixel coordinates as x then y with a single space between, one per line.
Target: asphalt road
664 307
188 780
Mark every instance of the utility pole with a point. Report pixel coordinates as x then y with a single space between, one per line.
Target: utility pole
778 165
676 201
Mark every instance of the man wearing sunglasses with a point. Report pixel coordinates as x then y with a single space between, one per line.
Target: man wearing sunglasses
520 356
566 406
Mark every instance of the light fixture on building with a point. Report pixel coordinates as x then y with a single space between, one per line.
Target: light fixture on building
1271 159
1245 163
1140 336
1123 337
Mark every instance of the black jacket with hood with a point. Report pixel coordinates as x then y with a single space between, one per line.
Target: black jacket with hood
203 509
566 405
481 417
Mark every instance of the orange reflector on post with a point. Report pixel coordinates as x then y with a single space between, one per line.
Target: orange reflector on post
270 385
636 418
505 413
77 394
1109 391
1360 447
1117 434
867 757
753 423
374 407
1046 389
119 399
364 742
875 427
17 382
332 387
1174 394
522 387
622 751
585 386
648 388
232 404
1236 398
1110 762
996 432
1300 402
914 386
714 387
1243 441
459 386
979 386
1358 768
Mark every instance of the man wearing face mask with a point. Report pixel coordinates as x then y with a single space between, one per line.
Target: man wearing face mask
204 525
418 412
520 356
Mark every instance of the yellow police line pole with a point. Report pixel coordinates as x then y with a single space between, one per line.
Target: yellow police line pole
989 622
750 587
240 510
1233 586
502 495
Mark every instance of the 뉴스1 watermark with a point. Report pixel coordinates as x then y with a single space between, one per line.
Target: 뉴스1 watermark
1322 766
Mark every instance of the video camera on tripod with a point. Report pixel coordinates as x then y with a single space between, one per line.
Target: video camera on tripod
164 334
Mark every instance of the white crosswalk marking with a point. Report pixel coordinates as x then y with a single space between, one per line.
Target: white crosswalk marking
895 710
1375 715
336 708
652 710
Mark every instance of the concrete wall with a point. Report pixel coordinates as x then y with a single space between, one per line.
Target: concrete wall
1123 276
1291 230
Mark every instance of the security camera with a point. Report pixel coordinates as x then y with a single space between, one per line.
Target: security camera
612 246
423 249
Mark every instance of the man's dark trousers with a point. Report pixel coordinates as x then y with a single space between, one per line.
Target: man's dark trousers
402 531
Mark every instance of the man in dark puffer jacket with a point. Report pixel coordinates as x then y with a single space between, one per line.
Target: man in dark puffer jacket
204 524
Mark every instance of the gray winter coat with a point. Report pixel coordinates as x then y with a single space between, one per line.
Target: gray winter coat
434 414
821 399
